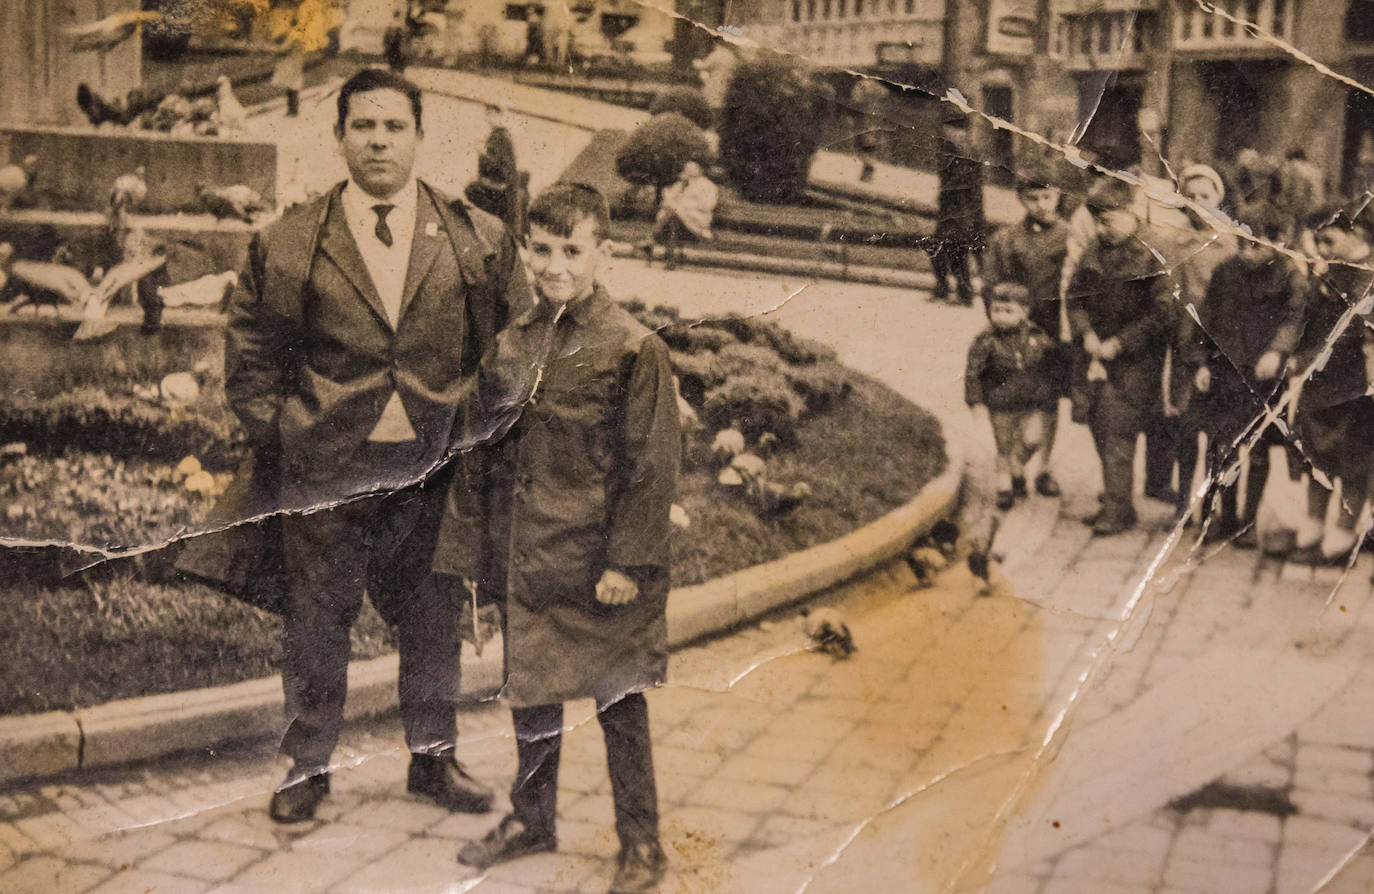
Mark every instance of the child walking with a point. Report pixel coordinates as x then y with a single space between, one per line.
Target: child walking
567 526
1007 380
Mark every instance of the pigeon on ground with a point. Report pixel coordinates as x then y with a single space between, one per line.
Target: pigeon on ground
173 112
99 110
233 117
107 33
776 499
728 443
829 631
16 180
238 201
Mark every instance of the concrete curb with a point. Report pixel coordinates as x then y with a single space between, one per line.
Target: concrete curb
878 276
137 729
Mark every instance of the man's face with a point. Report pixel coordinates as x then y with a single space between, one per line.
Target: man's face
1115 226
1042 205
565 268
1336 244
379 141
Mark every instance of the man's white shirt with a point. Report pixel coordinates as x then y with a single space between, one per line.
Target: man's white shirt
387 266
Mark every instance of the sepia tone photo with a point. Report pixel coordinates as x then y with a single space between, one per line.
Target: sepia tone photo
686 446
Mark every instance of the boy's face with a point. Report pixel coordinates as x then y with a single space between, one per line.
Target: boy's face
565 268
1041 204
1336 244
1007 314
1115 226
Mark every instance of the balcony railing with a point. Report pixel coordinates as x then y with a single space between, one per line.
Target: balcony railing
1230 24
1105 40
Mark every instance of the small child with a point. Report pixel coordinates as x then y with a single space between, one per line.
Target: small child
1007 377
566 524
1032 251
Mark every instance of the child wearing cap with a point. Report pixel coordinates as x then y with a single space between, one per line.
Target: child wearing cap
1006 379
1032 251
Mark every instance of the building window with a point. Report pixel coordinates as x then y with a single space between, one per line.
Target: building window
796 10
1237 23
858 8
516 12
1359 21
910 7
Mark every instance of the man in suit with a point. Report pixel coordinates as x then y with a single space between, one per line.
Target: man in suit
352 347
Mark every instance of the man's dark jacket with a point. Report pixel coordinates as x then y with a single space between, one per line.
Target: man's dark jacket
311 359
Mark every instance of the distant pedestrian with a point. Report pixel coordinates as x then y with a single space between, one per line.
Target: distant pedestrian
686 212
569 530
288 74
1008 379
1334 418
536 42
396 44
959 223
1192 254
1119 308
501 188
1250 323
1031 252
1299 189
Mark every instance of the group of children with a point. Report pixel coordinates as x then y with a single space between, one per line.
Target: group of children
1156 314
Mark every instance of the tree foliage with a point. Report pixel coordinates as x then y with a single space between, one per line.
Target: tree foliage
657 150
769 128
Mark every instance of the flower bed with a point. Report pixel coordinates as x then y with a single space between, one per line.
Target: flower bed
108 633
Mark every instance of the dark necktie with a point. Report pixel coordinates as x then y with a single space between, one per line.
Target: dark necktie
382 230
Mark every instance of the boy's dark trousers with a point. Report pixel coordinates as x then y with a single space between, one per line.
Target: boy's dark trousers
1115 423
629 757
950 253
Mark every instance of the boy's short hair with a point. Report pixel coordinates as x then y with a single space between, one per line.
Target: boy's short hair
1342 217
378 79
561 207
1011 293
1110 194
1263 220
1034 175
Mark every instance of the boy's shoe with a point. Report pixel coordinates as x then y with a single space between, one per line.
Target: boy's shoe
1018 488
510 840
640 870
1046 486
1109 524
443 780
1005 500
299 797
1248 538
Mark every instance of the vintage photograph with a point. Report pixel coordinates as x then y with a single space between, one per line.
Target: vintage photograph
692 446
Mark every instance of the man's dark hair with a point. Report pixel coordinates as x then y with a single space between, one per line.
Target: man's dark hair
561 207
370 79
1264 220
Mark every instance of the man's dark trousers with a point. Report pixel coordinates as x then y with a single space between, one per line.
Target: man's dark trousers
1115 424
382 545
625 727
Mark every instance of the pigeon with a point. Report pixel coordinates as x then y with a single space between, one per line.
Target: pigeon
46 284
105 34
238 201
128 192
829 631
99 110
778 499
15 180
207 291
728 443
173 110
233 117
749 465
767 444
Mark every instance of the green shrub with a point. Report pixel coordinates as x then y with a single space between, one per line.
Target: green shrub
657 150
125 426
769 128
688 102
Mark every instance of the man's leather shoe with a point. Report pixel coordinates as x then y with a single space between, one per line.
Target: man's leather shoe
510 840
641 869
299 797
1046 486
1109 524
443 780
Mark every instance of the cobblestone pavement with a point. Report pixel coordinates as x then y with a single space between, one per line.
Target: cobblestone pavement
1217 740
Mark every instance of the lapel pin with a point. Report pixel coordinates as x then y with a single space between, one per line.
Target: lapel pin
431 229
